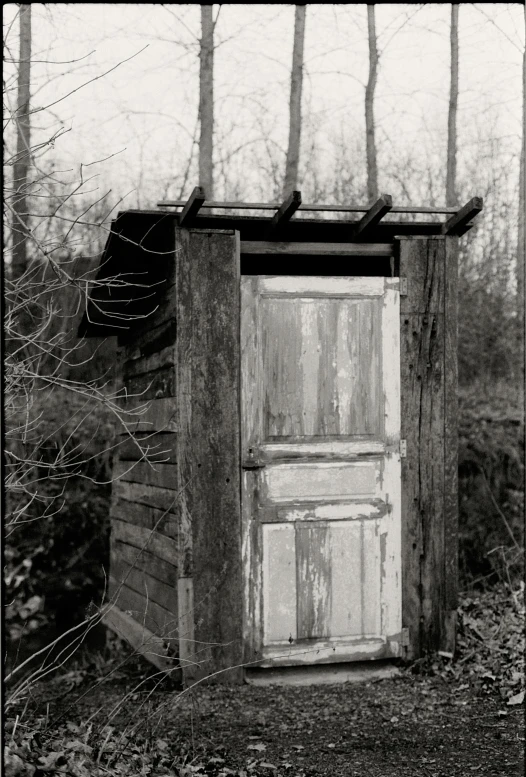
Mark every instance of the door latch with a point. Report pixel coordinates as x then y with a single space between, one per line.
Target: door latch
252 461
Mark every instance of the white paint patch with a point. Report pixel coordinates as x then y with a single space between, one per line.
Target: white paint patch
299 286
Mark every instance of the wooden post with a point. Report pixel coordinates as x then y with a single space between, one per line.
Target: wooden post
208 454
429 480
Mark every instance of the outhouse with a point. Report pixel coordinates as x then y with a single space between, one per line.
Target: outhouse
288 495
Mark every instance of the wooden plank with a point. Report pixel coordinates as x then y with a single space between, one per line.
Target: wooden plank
307 482
311 387
145 560
456 223
422 261
192 207
161 521
150 337
144 611
451 444
149 585
313 569
142 494
141 538
316 249
279 583
374 215
284 213
208 453
346 579
317 287
160 448
236 205
154 415
150 385
371 577
141 639
140 364
163 475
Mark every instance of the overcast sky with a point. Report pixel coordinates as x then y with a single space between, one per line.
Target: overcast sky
144 112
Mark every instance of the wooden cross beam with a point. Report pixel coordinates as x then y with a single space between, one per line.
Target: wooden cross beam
374 215
457 224
284 213
191 209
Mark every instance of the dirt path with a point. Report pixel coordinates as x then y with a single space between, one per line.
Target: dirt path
403 726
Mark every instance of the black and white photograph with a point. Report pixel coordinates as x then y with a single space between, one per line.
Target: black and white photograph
264 389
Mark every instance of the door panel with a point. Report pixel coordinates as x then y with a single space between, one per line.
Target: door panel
321 486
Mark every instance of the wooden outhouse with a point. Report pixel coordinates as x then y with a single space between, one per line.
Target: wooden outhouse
296 377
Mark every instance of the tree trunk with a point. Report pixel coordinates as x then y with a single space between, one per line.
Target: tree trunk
206 102
296 81
23 148
451 174
521 245
372 169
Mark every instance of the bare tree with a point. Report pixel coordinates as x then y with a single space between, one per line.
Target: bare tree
22 159
521 245
451 174
296 83
372 168
206 101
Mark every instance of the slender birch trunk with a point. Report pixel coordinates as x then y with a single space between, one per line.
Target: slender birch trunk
22 163
370 136
206 102
296 82
451 173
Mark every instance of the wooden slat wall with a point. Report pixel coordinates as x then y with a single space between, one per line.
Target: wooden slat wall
208 455
144 537
429 488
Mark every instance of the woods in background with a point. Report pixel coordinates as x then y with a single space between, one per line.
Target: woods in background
58 215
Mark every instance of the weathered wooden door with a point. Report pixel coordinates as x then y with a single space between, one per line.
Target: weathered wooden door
321 468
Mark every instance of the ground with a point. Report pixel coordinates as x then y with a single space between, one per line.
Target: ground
441 717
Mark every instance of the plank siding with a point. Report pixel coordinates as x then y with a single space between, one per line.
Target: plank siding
145 611
208 454
146 517
160 569
150 385
160 447
141 581
141 538
425 482
163 475
143 494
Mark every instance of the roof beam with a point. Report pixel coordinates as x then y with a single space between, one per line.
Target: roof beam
284 213
457 223
192 207
374 215
236 205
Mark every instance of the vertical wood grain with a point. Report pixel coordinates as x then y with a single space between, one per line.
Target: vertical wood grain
451 443
279 559
346 579
313 565
324 377
208 380
422 262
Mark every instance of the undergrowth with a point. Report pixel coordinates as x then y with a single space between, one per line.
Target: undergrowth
44 735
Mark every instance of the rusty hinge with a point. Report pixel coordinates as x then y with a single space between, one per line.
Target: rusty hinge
403 287
403 449
404 636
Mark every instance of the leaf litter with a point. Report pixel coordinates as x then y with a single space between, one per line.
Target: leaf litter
446 716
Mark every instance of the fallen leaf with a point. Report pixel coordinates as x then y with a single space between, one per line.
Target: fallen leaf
259 746
264 765
517 699
300 747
